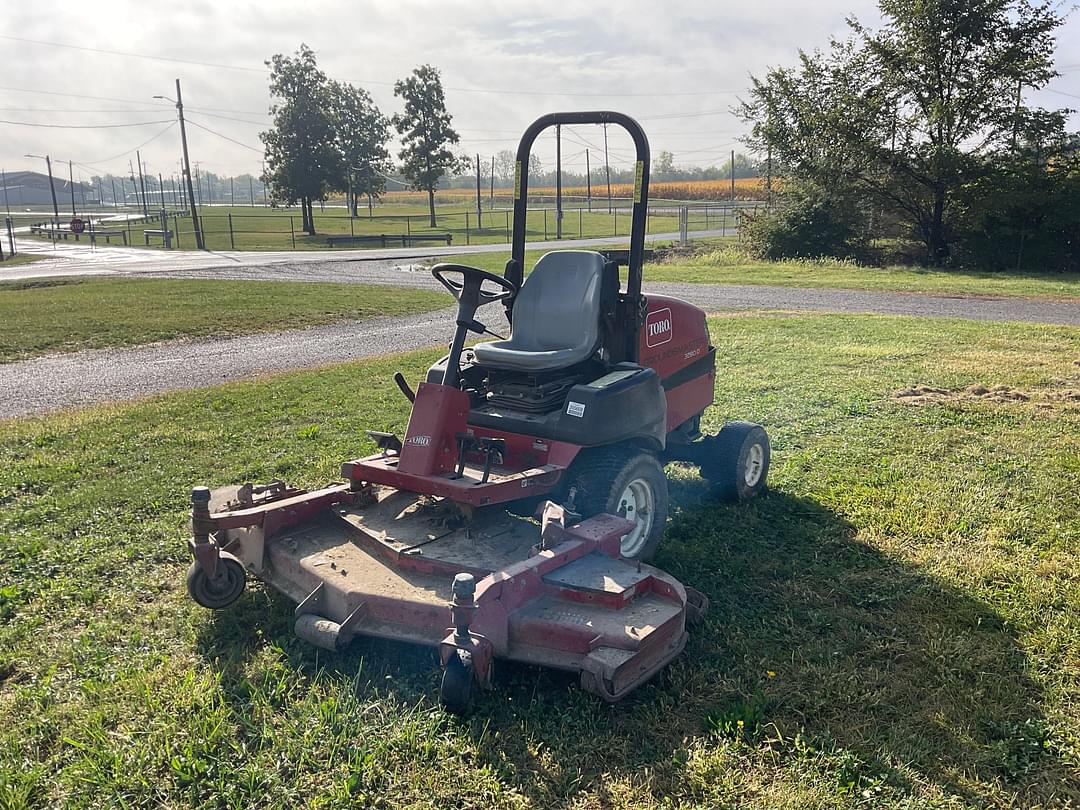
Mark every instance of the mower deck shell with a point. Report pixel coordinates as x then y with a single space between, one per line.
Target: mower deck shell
380 562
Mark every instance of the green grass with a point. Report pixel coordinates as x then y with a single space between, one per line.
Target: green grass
727 265
730 266
64 315
910 580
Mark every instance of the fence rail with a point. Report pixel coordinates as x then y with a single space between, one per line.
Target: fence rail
281 228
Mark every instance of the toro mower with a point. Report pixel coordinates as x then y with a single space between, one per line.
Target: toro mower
569 419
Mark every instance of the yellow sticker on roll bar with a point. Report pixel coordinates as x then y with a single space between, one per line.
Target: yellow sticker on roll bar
517 180
639 173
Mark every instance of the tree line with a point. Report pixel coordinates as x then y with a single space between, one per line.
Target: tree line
919 129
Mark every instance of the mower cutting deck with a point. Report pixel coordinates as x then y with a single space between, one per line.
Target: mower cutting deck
571 419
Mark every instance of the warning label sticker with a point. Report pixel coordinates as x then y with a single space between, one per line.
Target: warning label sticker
575 408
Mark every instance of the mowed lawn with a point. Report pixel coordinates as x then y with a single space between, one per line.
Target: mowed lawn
897 624
729 265
60 315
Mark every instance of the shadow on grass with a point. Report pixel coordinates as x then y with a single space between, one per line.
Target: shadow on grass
822 662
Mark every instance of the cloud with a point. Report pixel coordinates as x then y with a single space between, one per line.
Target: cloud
644 58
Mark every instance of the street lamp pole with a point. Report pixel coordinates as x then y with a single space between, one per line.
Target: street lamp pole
187 168
52 186
71 184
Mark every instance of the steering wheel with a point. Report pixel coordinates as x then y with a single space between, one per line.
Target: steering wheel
457 288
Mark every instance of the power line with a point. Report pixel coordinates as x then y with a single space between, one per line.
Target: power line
69 110
81 126
133 55
485 90
226 137
134 148
80 95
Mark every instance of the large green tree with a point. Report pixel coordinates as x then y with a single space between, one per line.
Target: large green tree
303 161
426 132
907 114
362 136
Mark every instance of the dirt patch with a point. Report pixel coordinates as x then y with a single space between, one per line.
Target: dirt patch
926 394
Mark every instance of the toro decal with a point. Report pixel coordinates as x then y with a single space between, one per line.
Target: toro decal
418 441
658 327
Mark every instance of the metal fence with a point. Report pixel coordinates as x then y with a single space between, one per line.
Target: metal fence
281 229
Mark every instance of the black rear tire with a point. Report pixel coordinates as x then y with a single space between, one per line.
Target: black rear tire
629 482
738 463
223 589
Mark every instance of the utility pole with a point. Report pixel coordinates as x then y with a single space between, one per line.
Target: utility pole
251 191
1016 114
52 185
262 179
232 191
491 197
7 202
71 185
112 185
161 188
607 169
479 212
134 185
186 170
768 177
588 181
732 176
558 181
142 184
198 182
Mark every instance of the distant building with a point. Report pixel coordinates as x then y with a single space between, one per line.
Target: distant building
32 188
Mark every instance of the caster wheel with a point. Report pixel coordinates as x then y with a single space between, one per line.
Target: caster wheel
739 465
456 690
220 591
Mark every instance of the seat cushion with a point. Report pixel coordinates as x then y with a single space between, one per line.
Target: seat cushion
556 316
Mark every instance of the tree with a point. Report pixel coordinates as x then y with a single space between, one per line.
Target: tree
906 115
302 157
504 165
664 168
426 132
362 135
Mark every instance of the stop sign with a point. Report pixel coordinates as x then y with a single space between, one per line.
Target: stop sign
77 225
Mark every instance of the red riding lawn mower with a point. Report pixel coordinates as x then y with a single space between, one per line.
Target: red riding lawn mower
571 419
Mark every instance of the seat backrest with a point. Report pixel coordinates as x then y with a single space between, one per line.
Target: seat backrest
558 306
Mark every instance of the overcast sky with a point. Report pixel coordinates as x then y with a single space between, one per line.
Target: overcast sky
677 66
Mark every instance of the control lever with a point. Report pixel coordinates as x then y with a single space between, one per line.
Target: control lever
399 378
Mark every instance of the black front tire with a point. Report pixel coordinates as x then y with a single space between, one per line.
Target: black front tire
220 591
624 481
738 463
456 689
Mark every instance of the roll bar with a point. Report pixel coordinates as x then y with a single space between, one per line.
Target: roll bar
515 268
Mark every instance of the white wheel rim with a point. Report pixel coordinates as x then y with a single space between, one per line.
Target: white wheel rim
636 505
755 464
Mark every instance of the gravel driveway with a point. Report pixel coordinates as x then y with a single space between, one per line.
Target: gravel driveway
58 381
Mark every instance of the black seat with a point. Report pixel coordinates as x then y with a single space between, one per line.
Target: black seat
556 316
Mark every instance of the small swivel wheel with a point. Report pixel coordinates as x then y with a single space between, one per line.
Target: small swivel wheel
739 461
456 690
222 589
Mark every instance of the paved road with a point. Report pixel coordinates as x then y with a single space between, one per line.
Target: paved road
59 381
713 297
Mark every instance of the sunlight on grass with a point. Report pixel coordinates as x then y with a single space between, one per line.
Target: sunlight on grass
895 624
